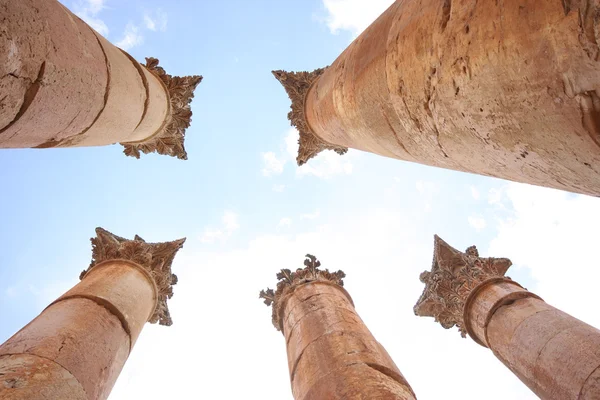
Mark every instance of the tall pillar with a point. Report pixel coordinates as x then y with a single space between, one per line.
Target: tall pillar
506 89
555 355
64 85
76 348
331 353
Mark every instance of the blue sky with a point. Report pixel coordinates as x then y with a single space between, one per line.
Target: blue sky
247 211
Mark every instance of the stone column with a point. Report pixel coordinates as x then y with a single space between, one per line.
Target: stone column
331 353
555 355
76 348
505 89
64 85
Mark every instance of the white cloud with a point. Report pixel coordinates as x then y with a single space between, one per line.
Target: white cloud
475 193
428 191
272 164
131 37
555 234
477 222
326 165
353 15
156 21
285 222
313 215
230 224
278 188
87 11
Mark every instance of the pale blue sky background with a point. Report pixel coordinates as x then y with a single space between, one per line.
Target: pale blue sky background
247 210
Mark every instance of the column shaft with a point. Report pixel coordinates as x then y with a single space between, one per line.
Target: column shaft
331 353
505 89
64 85
555 355
82 340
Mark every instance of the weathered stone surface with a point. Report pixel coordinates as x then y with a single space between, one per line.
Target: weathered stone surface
28 377
555 355
443 83
80 335
64 85
331 353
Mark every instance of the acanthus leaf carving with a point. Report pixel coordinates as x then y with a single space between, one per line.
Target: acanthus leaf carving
156 258
453 276
296 85
288 280
170 141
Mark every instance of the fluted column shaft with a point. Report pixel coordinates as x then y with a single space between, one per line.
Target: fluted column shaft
87 334
555 355
64 85
505 89
331 352
76 348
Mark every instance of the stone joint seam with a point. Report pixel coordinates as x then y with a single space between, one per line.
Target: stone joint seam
392 375
299 358
501 302
52 361
283 302
580 395
108 306
167 119
136 266
140 71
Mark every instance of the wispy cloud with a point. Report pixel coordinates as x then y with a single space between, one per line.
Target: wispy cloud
156 20
475 193
87 10
353 15
272 165
477 222
230 224
285 222
131 37
278 188
313 215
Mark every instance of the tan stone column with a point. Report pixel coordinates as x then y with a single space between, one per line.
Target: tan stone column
77 346
555 355
505 89
64 85
331 353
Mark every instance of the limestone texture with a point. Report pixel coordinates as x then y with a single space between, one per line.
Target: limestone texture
506 89
64 85
331 353
556 355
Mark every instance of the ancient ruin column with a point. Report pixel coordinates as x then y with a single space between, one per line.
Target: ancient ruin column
64 85
76 348
331 353
506 89
555 355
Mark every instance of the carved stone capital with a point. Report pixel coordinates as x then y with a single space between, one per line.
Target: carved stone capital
289 280
156 258
297 84
453 276
170 140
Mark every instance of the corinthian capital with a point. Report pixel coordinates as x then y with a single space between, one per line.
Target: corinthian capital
156 258
288 280
297 84
453 276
